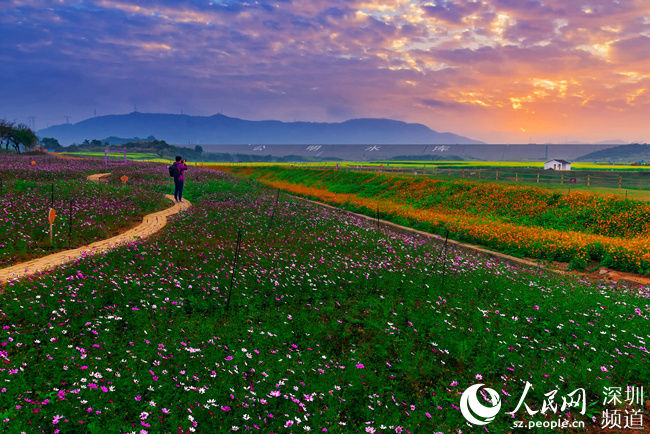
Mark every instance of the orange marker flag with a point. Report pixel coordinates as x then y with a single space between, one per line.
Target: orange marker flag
51 216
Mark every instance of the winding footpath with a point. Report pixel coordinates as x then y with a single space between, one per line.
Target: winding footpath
151 223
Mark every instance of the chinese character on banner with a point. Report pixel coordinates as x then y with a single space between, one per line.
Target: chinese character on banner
549 402
613 395
578 400
633 419
610 419
634 395
521 401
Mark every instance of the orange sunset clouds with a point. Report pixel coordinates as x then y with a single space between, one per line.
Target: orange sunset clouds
495 70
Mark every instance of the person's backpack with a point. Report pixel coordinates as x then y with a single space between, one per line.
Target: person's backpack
173 171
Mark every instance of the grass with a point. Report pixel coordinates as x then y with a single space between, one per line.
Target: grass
452 164
114 156
634 182
85 211
526 221
334 324
511 164
632 194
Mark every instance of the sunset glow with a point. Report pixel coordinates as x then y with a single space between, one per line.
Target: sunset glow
494 70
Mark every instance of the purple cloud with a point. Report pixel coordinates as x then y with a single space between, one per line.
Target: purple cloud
328 60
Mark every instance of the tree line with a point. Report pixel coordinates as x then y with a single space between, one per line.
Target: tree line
16 136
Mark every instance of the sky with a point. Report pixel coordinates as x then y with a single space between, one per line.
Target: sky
501 71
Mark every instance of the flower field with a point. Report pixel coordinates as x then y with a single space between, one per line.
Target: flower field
524 221
322 322
46 168
86 211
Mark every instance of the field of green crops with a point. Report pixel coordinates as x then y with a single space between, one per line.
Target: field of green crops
453 164
255 311
113 156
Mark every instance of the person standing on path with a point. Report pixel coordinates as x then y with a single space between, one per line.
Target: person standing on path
179 178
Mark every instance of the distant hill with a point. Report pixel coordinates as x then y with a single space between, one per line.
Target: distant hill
220 129
612 142
625 153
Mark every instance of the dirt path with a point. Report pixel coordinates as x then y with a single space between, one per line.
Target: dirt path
151 224
97 177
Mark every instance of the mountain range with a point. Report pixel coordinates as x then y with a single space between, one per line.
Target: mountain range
627 153
221 129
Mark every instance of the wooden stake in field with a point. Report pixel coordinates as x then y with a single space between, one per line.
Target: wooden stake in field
377 235
516 177
50 217
588 180
234 267
272 219
69 223
444 259
538 178
620 182
377 217
497 177
562 179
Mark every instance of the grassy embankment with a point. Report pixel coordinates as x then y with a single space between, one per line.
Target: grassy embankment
578 228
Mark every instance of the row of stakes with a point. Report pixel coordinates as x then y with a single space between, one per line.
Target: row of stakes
51 215
442 254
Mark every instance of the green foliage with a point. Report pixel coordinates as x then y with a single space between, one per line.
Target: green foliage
579 261
521 205
333 321
17 136
51 144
